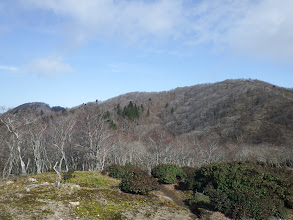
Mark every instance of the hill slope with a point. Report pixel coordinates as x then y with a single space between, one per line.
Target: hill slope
248 111
232 111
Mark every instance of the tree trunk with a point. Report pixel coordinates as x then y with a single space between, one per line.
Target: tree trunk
58 181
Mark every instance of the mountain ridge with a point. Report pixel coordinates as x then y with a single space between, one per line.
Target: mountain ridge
239 110
242 103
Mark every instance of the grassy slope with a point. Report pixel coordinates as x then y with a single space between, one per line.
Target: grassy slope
99 198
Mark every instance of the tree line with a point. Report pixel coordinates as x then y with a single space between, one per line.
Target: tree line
85 140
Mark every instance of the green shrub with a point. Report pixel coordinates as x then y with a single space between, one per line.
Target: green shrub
240 205
133 179
189 180
119 171
116 171
245 189
200 199
168 173
137 181
68 175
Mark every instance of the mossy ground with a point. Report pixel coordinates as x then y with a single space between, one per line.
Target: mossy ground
88 195
92 179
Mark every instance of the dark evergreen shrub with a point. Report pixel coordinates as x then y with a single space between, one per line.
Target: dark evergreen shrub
68 175
103 172
137 181
116 171
189 180
245 189
168 173
245 205
201 200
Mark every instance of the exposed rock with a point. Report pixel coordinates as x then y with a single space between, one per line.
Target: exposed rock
72 186
33 180
9 182
74 203
164 198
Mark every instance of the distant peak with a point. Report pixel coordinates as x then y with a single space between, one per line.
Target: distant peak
32 105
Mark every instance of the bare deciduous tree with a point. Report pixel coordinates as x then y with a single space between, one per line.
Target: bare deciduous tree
61 137
16 128
94 137
36 141
58 181
209 152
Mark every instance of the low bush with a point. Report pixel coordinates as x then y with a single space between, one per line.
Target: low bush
116 171
168 173
68 175
119 171
189 180
201 200
104 172
245 189
246 205
137 181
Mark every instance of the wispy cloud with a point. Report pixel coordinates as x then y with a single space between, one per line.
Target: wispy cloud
266 30
51 66
114 68
262 28
132 20
8 68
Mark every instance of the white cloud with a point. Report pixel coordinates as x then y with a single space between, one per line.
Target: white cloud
266 30
210 21
8 68
262 28
114 68
51 66
131 19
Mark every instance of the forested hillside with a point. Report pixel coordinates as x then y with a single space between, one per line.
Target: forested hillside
189 126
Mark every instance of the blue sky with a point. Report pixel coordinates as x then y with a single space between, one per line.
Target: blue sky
68 52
